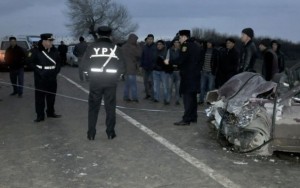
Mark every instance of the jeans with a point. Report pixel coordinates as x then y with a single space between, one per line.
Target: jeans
207 84
175 82
148 82
161 77
17 80
130 87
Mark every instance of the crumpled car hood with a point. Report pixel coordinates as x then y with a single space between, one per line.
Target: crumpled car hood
239 89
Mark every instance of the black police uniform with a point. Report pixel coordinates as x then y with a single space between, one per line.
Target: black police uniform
46 66
104 65
189 66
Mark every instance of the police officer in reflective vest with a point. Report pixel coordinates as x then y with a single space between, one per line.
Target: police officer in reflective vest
45 62
104 65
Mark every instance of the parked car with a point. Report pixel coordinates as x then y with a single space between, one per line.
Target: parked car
71 58
254 116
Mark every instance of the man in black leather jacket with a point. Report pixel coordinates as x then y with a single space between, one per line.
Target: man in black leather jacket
248 52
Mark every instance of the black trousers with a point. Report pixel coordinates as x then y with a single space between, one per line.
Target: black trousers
190 107
95 99
17 80
45 92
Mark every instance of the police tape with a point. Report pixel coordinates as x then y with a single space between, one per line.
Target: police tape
84 100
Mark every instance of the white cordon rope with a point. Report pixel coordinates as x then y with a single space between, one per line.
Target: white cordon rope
84 100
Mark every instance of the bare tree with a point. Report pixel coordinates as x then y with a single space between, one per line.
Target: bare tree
86 15
205 33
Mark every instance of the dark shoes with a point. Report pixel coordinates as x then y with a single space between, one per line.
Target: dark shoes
182 123
166 103
13 94
129 100
177 103
39 119
91 136
194 121
147 97
53 116
111 136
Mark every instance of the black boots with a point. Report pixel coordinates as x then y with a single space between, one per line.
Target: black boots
53 115
91 135
39 119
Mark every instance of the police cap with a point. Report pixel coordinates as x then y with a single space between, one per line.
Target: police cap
47 36
185 33
104 31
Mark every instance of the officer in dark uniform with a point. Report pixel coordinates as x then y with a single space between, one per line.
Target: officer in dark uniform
189 66
45 62
104 65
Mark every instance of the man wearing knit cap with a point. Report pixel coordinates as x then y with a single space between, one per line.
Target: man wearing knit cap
270 60
249 51
189 66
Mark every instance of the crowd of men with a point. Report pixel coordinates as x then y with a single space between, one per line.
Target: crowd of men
183 69
159 62
192 66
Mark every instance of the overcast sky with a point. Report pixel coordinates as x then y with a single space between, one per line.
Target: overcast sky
163 18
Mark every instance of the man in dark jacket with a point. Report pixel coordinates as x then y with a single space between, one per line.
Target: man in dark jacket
172 69
15 56
148 60
131 54
276 47
270 61
45 61
159 74
105 64
209 65
63 49
78 51
229 62
189 66
249 51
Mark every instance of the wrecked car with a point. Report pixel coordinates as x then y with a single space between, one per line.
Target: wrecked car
257 116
